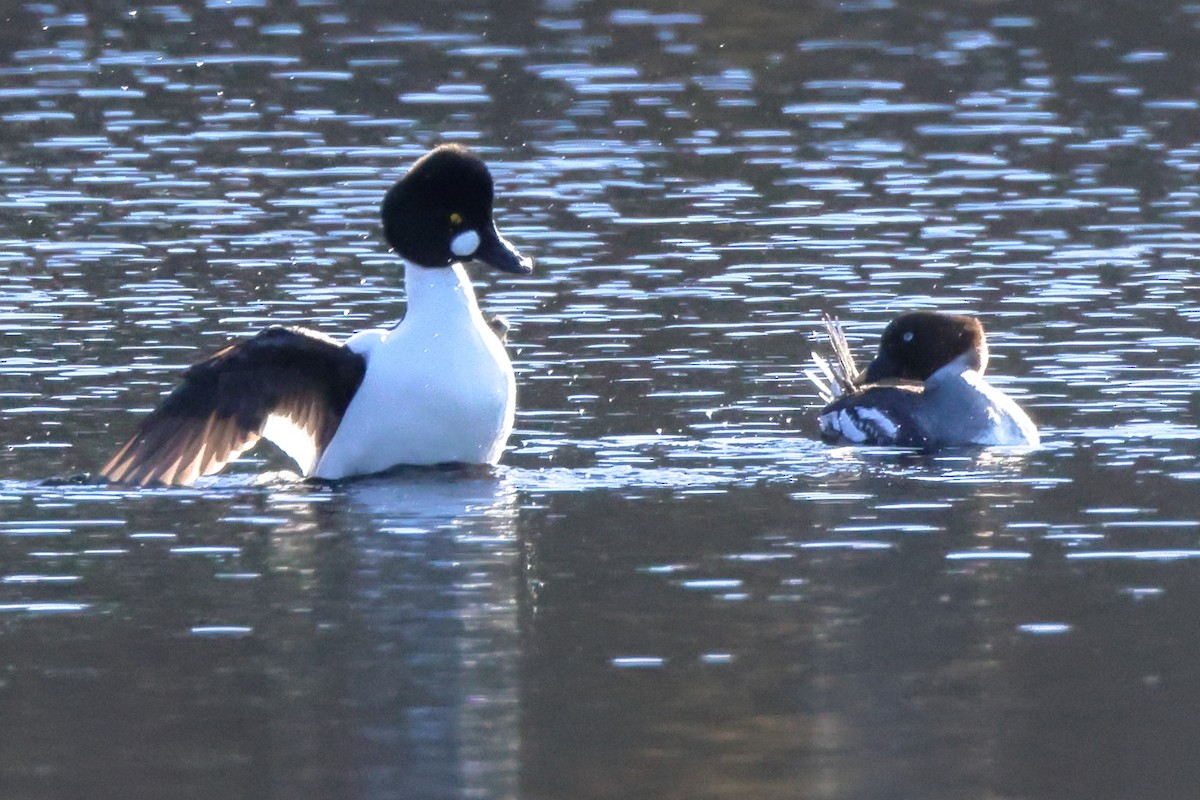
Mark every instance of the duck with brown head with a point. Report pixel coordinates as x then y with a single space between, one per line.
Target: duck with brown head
925 388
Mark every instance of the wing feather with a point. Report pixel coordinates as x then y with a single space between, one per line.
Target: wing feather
876 414
299 378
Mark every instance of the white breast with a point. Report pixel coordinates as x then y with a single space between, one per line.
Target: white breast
439 388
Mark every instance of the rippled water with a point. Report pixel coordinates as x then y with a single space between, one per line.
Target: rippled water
670 588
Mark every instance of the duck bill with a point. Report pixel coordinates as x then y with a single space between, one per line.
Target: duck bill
880 369
498 253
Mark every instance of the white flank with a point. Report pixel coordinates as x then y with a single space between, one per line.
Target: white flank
885 429
847 426
859 425
828 425
842 424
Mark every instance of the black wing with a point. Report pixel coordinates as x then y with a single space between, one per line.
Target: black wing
283 381
877 414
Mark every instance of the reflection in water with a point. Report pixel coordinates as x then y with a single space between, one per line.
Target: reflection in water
359 642
877 636
435 678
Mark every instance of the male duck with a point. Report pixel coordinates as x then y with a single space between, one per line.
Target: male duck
437 388
924 389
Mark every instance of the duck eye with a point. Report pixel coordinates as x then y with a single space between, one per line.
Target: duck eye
908 336
455 218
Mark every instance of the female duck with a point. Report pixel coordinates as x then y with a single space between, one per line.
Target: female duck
437 388
925 388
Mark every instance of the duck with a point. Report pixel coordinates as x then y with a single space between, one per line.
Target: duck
437 388
924 389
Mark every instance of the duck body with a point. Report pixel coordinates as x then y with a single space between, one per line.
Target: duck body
925 389
438 388
952 409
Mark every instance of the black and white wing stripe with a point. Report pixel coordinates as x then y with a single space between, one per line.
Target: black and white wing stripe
878 414
288 385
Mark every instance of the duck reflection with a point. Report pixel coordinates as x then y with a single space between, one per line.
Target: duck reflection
415 594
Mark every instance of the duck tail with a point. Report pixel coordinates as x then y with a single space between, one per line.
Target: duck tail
839 377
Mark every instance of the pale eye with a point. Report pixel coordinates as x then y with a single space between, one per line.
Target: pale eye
908 336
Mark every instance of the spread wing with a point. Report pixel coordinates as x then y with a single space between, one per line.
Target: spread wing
288 385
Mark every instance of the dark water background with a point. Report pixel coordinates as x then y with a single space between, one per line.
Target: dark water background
669 589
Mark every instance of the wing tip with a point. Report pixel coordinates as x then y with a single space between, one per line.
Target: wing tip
841 373
169 452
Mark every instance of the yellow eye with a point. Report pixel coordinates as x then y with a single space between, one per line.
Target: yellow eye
456 218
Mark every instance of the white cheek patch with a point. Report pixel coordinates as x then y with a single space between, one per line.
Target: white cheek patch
465 244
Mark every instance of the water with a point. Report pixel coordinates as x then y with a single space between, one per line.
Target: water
669 589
